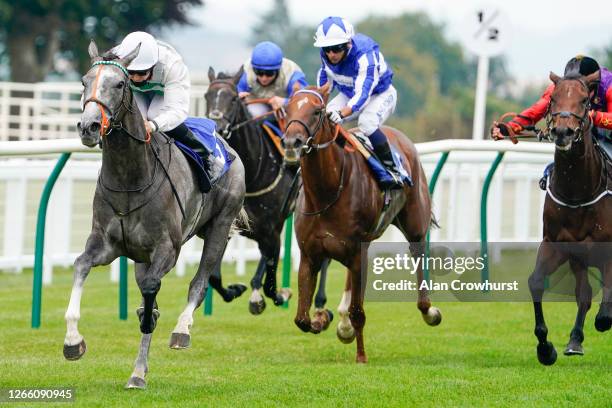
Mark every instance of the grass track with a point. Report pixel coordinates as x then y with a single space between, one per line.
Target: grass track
483 354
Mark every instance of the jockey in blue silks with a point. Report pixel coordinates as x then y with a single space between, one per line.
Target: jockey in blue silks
267 74
355 67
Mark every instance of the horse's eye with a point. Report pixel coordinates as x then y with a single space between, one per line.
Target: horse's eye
120 85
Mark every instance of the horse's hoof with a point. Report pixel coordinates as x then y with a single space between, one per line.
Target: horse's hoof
322 320
603 323
574 348
235 291
180 341
361 359
75 352
257 308
136 383
433 317
547 354
346 334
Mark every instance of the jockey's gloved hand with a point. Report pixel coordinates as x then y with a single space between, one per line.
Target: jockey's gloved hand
335 116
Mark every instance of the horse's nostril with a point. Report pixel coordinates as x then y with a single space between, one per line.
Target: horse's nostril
298 143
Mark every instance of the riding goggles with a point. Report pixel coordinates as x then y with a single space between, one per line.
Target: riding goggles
335 48
266 72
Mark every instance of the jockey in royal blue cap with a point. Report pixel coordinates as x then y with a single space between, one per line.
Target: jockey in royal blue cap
355 67
268 75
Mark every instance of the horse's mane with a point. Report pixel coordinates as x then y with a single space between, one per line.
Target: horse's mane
109 56
224 75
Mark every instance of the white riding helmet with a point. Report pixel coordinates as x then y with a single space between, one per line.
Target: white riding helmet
148 54
333 31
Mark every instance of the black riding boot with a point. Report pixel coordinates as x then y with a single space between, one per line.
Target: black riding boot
383 151
184 135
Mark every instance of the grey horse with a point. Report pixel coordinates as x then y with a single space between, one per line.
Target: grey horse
146 205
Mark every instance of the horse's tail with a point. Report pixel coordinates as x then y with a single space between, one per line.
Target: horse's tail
241 222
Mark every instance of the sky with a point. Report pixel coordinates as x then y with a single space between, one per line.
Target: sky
541 34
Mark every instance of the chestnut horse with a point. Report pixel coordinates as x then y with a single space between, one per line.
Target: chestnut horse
338 209
577 210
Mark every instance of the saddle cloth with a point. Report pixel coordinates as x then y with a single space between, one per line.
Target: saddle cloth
219 161
381 173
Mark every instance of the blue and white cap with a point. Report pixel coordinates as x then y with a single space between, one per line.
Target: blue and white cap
333 31
267 55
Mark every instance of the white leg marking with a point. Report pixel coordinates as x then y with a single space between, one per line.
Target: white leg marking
72 316
255 296
185 320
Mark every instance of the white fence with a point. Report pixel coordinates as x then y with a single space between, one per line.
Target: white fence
49 110
515 208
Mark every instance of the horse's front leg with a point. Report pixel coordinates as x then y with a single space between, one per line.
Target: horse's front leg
547 261
431 314
356 312
148 278
307 280
96 253
584 294
271 251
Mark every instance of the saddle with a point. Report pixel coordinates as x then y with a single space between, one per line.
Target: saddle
219 158
395 199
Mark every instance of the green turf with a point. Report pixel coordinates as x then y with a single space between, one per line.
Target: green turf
483 354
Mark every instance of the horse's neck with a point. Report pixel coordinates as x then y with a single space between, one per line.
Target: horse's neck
127 163
251 145
322 169
577 172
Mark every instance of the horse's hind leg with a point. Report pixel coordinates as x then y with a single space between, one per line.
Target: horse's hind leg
231 292
257 303
271 251
95 254
603 320
345 330
548 260
216 234
356 312
584 294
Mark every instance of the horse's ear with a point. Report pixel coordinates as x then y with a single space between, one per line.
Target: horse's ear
238 75
93 51
592 79
324 91
126 61
211 74
296 87
554 77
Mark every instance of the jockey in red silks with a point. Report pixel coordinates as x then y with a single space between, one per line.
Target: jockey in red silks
601 100
601 106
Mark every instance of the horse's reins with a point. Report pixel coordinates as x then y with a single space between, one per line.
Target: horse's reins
579 131
309 146
229 129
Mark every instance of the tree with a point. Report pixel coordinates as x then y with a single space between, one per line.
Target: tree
35 32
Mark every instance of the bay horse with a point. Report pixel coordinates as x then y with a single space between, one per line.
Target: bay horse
147 203
577 211
337 211
271 187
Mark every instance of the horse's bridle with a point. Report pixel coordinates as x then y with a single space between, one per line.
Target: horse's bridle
310 145
113 120
216 114
582 119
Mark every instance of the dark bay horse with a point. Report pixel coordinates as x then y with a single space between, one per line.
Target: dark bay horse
146 205
271 187
338 209
577 211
